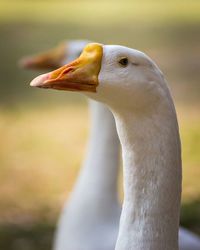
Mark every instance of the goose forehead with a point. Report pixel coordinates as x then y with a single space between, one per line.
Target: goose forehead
118 50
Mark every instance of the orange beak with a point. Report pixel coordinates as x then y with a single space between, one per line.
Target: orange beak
79 75
51 59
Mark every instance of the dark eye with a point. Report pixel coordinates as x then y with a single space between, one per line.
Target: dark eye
123 61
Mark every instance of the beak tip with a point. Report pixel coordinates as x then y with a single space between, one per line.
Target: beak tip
39 81
33 83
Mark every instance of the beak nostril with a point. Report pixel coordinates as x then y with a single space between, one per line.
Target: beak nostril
67 70
59 75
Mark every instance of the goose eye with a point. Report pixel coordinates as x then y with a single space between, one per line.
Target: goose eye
123 61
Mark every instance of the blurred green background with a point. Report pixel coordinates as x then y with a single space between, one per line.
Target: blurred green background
44 133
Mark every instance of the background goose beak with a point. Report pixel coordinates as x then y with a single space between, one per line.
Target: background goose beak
50 59
79 75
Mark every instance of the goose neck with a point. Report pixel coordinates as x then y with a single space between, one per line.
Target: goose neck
152 181
100 169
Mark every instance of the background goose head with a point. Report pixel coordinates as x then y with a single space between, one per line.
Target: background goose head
129 76
63 53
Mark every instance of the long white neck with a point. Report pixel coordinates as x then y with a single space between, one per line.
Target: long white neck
99 174
152 179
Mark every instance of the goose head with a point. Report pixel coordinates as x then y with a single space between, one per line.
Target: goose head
119 76
54 58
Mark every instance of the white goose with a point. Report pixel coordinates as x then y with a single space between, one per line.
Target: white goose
159 177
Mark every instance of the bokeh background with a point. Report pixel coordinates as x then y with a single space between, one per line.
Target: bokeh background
44 133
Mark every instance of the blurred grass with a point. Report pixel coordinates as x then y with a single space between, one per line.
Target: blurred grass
43 133
42 144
